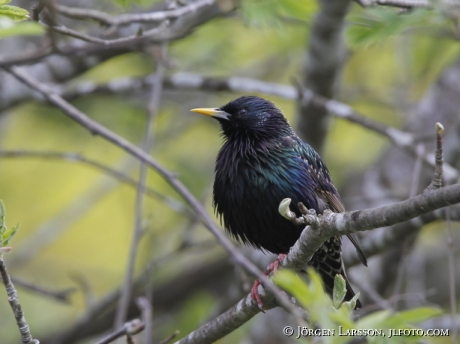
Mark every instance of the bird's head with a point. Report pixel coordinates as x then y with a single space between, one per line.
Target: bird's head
249 115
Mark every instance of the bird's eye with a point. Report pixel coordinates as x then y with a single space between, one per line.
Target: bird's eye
242 112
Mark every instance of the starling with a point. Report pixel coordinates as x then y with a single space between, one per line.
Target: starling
261 162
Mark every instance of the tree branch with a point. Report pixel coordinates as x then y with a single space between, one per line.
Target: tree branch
380 240
338 224
322 66
227 322
128 329
125 19
406 4
126 41
146 311
313 236
398 137
13 299
65 61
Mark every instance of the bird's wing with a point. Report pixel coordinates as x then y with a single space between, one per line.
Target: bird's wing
325 189
359 251
336 205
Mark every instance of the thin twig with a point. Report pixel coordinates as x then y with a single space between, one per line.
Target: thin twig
13 299
137 230
148 273
170 337
436 181
420 150
129 329
406 4
58 295
146 310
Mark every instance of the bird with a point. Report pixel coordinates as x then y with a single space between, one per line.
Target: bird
261 162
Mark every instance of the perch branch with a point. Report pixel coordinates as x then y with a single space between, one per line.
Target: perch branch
327 225
13 299
128 329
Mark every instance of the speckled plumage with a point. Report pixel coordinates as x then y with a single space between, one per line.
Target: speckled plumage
261 162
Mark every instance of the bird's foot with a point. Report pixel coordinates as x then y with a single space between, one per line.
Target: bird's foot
256 296
271 269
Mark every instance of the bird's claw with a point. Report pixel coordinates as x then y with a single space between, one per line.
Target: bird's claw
271 269
256 296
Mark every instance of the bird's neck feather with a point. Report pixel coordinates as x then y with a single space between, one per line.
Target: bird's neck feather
240 151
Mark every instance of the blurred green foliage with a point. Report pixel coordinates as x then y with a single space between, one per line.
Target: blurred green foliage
272 14
77 221
12 12
12 22
324 315
9 28
377 25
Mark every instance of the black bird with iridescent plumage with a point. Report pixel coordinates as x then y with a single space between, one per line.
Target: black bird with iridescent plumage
261 162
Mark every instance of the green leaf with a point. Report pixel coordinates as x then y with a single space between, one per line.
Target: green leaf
340 289
289 281
8 235
352 303
13 12
5 234
342 317
9 28
412 316
4 2
374 320
376 25
308 295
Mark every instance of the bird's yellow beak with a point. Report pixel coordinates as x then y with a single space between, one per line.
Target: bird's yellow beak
212 112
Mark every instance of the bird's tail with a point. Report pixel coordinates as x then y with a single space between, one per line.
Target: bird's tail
327 261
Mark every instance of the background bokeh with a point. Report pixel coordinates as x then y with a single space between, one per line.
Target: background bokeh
76 220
